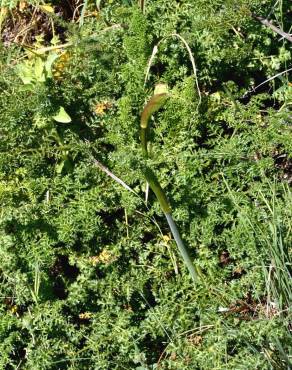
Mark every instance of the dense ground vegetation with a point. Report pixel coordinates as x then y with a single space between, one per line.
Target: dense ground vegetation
90 275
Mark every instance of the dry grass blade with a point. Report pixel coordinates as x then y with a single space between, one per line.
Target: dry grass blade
192 59
127 187
272 78
149 64
49 48
113 176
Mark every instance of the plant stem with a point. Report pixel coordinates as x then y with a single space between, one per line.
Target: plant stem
154 104
165 206
157 190
181 246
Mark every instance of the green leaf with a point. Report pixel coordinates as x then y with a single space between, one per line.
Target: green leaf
25 73
39 70
59 167
62 116
49 62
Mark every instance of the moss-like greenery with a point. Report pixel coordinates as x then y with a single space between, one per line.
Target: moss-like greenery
90 275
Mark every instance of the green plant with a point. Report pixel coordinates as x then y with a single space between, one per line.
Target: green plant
154 104
90 277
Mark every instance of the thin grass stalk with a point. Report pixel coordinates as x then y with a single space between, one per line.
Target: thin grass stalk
278 276
81 20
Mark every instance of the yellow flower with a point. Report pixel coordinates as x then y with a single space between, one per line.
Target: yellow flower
166 238
14 309
101 107
60 65
105 257
85 315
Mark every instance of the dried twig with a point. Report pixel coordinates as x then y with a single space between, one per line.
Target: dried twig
127 187
113 176
272 78
269 24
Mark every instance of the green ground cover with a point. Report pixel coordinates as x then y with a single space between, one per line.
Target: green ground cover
91 277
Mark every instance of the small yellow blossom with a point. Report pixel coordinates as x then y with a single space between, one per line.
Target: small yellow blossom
85 315
14 309
105 257
101 107
60 65
166 238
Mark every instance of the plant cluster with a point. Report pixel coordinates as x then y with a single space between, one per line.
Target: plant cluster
90 275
